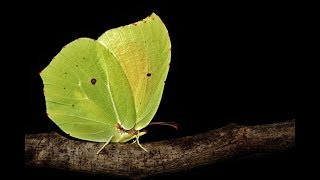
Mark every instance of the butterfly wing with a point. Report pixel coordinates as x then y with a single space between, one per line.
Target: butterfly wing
87 92
143 50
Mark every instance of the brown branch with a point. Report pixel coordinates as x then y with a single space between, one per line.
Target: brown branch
55 151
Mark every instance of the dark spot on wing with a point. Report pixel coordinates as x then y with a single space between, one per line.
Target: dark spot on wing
134 24
76 65
72 105
83 58
64 88
65 73
149 74
93 81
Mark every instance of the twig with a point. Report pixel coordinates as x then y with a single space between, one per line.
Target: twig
52 150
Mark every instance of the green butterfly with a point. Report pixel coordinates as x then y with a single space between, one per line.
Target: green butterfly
108 90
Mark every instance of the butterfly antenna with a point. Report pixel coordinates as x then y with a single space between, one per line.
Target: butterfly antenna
174 125
137 139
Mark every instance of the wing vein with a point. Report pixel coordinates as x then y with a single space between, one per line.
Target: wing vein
111 95
134 60
60 114
98 89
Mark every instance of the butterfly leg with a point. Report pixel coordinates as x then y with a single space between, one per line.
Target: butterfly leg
104 145
137 140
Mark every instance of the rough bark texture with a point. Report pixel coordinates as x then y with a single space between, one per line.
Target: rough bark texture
128 160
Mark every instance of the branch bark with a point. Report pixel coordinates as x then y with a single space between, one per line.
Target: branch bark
52 150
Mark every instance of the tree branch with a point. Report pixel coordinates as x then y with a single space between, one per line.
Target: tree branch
129 160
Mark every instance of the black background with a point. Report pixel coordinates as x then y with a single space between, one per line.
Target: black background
231 63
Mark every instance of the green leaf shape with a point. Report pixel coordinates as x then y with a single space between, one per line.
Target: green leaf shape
87 92
144 51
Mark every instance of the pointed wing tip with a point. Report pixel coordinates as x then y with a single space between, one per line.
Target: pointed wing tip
153 14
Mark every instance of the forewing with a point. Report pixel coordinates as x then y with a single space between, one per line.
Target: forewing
87 92
143 50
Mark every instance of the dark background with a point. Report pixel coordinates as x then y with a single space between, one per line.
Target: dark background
231 63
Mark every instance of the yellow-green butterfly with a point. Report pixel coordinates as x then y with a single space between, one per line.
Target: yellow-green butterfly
109 89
